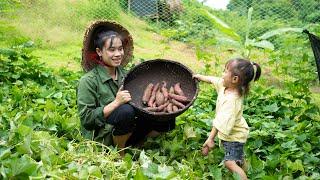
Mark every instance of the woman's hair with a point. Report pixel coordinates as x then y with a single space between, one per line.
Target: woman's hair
103 36
246 71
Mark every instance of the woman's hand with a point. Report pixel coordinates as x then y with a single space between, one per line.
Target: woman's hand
123 97
207 146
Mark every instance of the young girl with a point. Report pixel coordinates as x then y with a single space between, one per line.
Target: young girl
229 124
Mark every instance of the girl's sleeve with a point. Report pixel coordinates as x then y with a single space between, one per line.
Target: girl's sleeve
217 82
91 116
226 118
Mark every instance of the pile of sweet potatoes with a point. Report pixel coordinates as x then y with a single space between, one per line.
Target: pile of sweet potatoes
157 98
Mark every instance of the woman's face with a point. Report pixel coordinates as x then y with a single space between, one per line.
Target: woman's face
112 55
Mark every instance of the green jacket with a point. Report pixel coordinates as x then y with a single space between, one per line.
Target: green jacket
95 90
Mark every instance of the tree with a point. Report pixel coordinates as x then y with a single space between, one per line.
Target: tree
307 11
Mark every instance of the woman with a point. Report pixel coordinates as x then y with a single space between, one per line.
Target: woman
103 105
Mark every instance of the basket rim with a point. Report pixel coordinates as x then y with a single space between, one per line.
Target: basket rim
160 114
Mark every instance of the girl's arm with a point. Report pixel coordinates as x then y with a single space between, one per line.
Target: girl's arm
213 133
209 144
207 79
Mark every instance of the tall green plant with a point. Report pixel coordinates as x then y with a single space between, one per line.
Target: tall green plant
262 41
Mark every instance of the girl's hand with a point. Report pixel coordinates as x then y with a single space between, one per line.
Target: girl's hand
207 146
123 96
196 76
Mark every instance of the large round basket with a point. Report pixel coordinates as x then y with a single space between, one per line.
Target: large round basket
154 71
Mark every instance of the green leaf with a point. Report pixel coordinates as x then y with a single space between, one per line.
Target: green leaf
23 165
58 95
270 177
301 137
249 23
5 153
236 176
296 166
84 172
256 164
263 44
216 172
222 26
273 160
8 52
144 160
279 31
139 175
24 130
151 171
128 160
307 147
271 108
40 101
280 135
95 171
25 148
189 132
165 171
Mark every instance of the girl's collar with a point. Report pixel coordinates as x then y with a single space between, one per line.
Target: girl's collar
230 93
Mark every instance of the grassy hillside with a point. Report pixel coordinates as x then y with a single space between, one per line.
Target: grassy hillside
58 37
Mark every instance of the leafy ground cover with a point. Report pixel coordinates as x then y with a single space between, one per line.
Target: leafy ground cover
40 132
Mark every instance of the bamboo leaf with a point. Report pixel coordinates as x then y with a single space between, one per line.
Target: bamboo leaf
279 31
218 23
263 44
249 23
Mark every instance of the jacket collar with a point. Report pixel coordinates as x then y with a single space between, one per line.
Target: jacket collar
104 75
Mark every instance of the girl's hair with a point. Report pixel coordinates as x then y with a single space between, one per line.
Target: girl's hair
103 36
246 71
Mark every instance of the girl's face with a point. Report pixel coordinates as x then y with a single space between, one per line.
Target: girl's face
229 80
112 55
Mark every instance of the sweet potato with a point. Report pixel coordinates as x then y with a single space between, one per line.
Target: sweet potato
169 108
151 100
164 90
179 98
177 103
147 94
154 104
155 89
163 106
153 95
157 109
178 90
152 109
171 90
175 108
159 98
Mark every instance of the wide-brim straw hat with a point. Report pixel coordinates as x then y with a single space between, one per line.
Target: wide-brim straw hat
89 55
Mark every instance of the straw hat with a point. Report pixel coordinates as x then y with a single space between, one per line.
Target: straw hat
89 55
